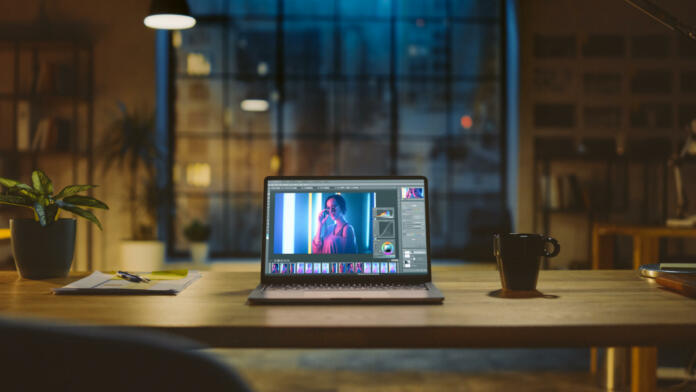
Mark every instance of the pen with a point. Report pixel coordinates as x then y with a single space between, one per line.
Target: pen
132 277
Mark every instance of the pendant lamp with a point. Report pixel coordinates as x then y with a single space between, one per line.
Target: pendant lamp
169 15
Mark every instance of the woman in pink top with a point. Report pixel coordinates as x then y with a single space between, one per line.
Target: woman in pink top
335 235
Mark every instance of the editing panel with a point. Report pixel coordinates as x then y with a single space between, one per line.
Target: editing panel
413 232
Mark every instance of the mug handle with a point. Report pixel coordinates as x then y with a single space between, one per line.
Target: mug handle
556 247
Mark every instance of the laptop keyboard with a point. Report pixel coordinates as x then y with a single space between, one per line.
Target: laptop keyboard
346 286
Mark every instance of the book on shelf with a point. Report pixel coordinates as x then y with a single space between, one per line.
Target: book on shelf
23 126
40 139
55 78
45 78
62 137
52 134
563 192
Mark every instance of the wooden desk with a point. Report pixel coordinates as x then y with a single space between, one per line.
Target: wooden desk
592 308
646 242
646 250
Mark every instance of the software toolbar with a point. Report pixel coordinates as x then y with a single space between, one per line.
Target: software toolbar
364 268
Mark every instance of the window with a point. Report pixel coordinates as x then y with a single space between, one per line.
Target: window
342 87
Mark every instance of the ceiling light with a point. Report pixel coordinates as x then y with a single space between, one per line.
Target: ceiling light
254 105
169 15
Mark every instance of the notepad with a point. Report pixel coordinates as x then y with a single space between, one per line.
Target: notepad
161 283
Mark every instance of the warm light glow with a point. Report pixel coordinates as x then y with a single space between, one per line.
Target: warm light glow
198 174
197 64
169 22
466 121
176 39
254 105
275 163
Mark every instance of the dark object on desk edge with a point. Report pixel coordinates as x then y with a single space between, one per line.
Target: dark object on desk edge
683 284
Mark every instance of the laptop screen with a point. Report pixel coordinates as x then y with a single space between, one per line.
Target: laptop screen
345 227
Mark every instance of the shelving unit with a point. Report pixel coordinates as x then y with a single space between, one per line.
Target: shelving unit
46 108
622 77
615 194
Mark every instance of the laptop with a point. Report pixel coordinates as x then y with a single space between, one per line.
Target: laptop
345 240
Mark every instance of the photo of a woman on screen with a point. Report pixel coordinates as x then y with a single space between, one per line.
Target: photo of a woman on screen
334 235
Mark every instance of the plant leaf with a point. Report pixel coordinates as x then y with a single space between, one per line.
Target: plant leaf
41 213
73 189
41 182
16 200
6 182
83 213
85 201
24 190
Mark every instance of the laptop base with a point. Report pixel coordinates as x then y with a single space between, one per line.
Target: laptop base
263 294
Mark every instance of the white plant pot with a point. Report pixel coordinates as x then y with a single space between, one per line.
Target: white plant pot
142 256
199 252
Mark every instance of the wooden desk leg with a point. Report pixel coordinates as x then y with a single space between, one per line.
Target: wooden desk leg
611 372
646 250
643 369
593 361
602 258
602 251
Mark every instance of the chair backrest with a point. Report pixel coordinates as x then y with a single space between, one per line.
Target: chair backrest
54 357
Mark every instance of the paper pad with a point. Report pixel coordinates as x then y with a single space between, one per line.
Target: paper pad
102 283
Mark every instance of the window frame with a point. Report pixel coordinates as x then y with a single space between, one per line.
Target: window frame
280 77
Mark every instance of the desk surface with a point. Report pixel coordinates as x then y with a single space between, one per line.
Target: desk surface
592 308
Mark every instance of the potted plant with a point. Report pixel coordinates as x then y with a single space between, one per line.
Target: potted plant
197 234
43 247
130 144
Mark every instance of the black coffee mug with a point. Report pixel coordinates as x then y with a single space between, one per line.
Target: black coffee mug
518 257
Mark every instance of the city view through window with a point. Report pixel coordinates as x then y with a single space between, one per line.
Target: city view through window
343 87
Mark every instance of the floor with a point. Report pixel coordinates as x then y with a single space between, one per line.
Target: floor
519 370
412 370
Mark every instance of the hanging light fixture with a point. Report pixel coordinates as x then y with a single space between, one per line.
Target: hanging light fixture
254 105
169 15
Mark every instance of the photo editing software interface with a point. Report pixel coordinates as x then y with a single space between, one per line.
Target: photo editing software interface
346 227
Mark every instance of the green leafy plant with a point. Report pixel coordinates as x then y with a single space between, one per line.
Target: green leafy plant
46 206
197 231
